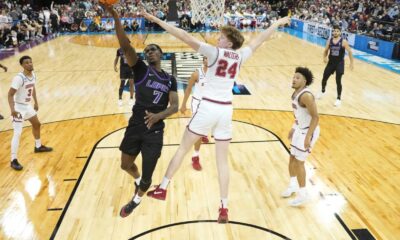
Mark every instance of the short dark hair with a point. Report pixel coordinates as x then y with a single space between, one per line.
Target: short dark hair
23 58
306 73
335 26
158 47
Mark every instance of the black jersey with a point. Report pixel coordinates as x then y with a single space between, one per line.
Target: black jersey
152 90
123 63
336 51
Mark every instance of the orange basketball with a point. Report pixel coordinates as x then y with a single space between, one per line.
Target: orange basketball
108 2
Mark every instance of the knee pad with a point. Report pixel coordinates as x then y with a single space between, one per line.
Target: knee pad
144 184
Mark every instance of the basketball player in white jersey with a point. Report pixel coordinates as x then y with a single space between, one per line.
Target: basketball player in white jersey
19 97
303 135
215 109
5 70
198 80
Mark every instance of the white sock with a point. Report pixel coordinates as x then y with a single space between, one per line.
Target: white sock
195 153
137 198
38 143
137 180
302 192
224 202
164 183
293 182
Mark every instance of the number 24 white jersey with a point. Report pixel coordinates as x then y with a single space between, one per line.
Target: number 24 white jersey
223 71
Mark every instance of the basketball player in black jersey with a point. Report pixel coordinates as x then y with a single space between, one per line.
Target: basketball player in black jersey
144 134
336 47
125 73
5 70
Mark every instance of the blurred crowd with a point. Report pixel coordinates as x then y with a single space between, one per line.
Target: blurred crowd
376 18
20 23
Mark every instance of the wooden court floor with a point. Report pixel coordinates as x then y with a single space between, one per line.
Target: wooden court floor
76 191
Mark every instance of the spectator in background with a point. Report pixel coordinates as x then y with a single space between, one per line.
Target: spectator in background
134 25
83 27
393 12
108 26
126 26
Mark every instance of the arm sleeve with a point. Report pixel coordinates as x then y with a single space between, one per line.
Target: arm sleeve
17 82
246 53
209 51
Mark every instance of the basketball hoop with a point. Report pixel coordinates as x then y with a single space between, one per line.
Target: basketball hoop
205 9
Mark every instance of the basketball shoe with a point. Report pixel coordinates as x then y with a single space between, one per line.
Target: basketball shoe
43 148
289 191
15 165
299 200
223 215
128 208
196 163
158 193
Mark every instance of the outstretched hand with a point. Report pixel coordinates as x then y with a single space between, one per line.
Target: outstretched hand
145 14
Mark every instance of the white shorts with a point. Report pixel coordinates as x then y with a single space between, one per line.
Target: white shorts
297 145
26 111
194 105
212 116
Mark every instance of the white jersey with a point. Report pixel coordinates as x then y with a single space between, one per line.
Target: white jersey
301 114
222 72
199 85
24 86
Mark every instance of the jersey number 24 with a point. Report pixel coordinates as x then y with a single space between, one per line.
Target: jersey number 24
223 69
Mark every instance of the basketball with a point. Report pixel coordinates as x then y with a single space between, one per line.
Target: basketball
108 2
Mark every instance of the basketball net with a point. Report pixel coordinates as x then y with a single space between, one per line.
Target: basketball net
206 9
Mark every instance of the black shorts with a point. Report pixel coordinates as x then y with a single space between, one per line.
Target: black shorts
125 73
139 139
334 67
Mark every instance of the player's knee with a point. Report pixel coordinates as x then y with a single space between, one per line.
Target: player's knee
126 165
145 184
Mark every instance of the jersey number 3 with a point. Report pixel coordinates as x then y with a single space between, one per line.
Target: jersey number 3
223 69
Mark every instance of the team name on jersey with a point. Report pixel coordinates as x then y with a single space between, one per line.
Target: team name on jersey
231 55
29 85
158 86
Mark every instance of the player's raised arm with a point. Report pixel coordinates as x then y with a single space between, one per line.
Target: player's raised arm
129 51
176 32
